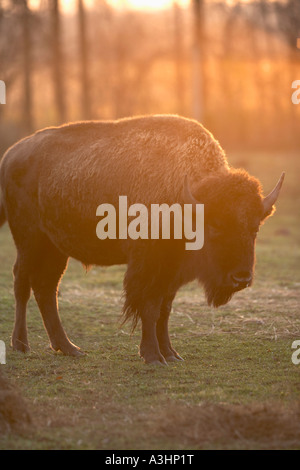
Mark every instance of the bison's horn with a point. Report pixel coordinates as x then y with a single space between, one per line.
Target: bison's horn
269 200
187 195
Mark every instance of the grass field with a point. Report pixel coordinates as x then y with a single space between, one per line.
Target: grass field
237 387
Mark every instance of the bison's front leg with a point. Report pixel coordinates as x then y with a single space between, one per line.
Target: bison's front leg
143 302
149 348
162 331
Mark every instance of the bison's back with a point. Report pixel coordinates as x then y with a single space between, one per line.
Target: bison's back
145 157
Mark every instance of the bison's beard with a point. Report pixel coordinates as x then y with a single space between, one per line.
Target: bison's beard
218 295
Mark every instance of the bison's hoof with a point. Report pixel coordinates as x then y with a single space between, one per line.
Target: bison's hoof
173 358
69 350
157 362
74 353
18 345
156 359
170 354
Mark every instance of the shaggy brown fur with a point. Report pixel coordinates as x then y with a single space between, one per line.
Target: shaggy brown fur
52 183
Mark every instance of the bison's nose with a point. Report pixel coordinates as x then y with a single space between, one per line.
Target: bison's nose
241 279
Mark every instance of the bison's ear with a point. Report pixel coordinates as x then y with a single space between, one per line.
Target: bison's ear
269 201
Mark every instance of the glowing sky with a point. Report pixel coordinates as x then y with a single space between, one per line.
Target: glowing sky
71 5
147 4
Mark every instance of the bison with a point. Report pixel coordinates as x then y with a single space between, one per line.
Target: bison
52 182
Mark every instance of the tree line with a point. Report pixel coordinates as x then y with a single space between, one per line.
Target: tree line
231 66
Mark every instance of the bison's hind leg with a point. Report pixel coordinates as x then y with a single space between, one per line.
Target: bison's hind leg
40 266
22 294
46 273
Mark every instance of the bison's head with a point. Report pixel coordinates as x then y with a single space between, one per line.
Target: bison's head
234 211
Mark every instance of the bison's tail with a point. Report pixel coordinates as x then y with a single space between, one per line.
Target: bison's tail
2 213
129 314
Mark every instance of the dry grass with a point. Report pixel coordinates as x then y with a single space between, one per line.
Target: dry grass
203 426
255 426
14 415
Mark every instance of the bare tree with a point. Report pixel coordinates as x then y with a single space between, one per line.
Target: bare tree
228 82
83 59
198 61
288 15
59 92
27 67
1 23
178 46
